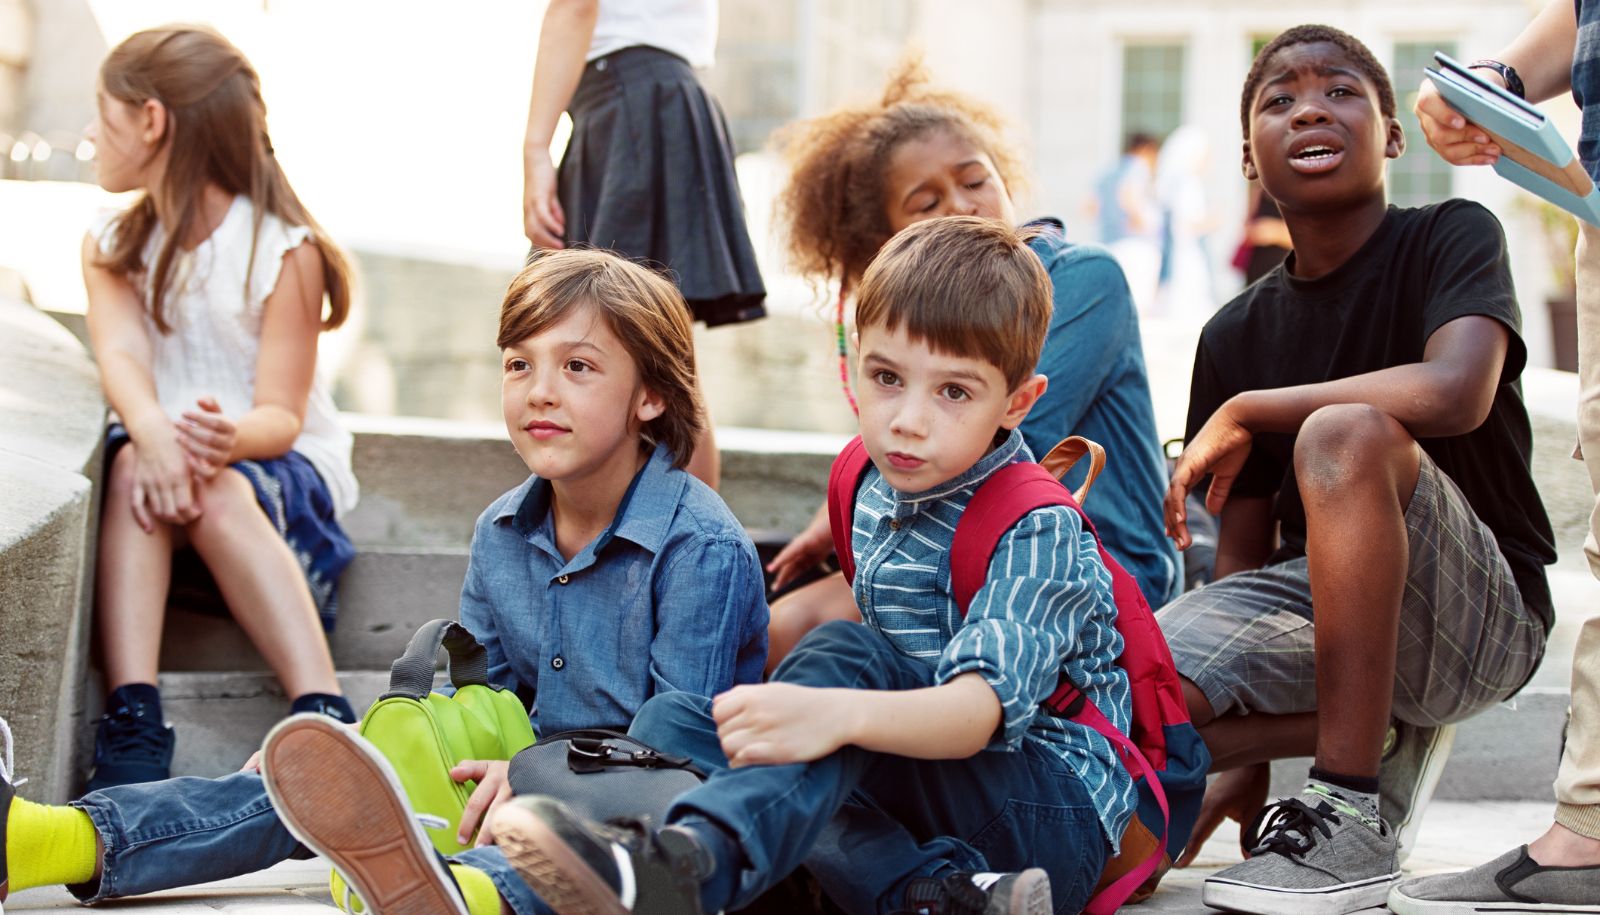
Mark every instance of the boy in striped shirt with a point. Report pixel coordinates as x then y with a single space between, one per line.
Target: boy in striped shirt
906 761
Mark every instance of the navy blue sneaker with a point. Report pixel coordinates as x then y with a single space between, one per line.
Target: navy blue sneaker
132 744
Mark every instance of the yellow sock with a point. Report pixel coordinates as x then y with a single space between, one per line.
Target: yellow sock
478 890
46 846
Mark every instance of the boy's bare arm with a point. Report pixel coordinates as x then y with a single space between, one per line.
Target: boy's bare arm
776 723
1448 393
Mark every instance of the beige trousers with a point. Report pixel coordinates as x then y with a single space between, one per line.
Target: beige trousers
1578 781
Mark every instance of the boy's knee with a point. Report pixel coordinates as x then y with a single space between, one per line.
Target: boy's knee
829 649
1343 445
666 717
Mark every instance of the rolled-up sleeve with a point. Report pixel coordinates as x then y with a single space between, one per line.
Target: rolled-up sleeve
711 619
1023 621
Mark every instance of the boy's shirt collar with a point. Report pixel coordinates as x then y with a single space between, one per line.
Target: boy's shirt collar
904 505
642 516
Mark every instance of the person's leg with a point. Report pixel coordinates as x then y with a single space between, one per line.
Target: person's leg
795 614
262 585
153 836
133 572
1356 468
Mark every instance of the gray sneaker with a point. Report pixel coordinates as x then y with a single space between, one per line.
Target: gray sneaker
1413 760
1311 855
1512 882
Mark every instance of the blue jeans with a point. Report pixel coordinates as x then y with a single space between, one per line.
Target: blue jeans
184 831
865 824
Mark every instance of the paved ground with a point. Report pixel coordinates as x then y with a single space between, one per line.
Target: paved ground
1455 835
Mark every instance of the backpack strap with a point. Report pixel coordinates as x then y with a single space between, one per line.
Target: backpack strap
843 482
1005 498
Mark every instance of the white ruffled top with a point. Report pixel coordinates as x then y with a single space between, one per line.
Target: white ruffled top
216 334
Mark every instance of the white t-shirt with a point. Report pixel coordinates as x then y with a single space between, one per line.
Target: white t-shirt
216 334
687 28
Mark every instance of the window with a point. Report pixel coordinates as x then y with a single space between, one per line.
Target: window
1152 88
1419 176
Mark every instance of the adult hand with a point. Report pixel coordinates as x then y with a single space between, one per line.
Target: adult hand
494 788
542 217
775 723
1452 136
1237 794
1219 449
163 489
808 548
207 438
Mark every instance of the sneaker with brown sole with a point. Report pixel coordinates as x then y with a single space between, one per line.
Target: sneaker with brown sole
337 794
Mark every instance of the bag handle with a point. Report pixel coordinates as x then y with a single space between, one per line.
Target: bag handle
1067 453
411 675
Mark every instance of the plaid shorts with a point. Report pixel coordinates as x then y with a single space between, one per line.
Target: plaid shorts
1466 642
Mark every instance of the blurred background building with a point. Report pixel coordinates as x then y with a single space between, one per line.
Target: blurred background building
400 124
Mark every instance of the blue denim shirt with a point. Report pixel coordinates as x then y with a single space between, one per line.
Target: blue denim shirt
669 597
1099 390
1045 609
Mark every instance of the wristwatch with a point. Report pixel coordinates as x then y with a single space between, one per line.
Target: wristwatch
1509 74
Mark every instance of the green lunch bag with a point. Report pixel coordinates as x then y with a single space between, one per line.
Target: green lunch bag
424 734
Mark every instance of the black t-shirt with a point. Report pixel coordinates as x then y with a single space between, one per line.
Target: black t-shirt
1421 269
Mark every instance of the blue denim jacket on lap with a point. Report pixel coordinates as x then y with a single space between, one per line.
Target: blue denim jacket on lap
669 597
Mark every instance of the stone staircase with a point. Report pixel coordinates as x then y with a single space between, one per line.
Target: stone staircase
424 482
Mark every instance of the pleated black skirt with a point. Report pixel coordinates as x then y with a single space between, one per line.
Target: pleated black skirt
649 174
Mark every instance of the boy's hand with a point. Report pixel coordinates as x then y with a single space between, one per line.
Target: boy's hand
493 789
1219 449
207 438
1237 794
1456 140
775 723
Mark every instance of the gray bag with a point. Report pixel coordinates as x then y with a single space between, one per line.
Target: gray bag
603 774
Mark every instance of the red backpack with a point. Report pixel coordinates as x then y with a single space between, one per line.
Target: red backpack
1165 755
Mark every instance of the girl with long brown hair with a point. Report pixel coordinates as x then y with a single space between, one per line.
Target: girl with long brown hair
206 299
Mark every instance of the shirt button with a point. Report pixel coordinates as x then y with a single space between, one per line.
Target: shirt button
558 662
563 579
894 525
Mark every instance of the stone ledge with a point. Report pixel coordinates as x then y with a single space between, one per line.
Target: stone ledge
53 416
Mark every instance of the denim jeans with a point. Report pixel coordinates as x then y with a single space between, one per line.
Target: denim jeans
866 823
184 831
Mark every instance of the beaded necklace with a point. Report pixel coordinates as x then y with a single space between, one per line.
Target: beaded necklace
844 353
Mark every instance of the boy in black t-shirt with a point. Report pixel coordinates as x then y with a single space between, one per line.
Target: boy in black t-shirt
1362 400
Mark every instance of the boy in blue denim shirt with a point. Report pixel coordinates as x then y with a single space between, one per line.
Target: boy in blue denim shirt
914 745
609 576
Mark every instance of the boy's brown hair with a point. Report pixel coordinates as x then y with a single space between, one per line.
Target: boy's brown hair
967 287
645 311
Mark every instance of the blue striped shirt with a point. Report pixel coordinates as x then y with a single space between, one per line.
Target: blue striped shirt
1046 608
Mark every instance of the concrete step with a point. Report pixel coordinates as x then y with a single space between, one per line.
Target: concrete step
384 596
221 718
